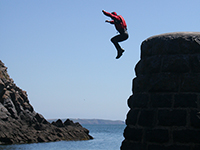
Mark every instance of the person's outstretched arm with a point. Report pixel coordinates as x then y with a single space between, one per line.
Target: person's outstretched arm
111 22
110 15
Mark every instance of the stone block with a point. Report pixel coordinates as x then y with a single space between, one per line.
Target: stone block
133 85
189 44
129 145
195 118
147 118
171 147
139 101
172 117
129 101
176 63
157 135
190 82
195 63
132 117
133 134
196 147
161 100
140 84
186 136
162 82
148 65
185 101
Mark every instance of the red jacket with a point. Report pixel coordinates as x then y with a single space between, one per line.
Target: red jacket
118 21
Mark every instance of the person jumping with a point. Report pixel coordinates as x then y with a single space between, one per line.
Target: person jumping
121 27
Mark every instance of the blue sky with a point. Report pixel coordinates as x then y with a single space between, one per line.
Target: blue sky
59 51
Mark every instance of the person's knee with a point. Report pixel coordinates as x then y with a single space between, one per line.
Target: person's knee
127 36
113 40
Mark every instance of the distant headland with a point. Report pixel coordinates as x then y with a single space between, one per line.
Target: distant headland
93 121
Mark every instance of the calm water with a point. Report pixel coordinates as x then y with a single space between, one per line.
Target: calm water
106 137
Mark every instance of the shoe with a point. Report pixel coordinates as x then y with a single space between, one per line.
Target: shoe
120 54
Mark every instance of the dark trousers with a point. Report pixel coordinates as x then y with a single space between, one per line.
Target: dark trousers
119 38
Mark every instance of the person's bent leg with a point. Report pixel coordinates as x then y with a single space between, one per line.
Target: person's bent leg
115 40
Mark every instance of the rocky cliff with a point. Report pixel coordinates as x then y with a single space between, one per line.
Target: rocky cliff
19 123
165 105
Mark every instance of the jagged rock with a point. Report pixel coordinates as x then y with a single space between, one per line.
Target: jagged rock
19 123
40 118
4 113
165 105
58 123
70 122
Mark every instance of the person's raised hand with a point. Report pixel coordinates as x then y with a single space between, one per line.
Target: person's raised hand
107 21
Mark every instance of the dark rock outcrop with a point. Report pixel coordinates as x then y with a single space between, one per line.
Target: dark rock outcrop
165 106
19 123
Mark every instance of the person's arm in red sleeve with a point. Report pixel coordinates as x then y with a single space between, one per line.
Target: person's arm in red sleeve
106 13
111 22
110 15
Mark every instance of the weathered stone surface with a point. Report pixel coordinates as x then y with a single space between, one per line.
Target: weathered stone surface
163 82
161 101
196 147
171 147
139 101
19 123
186 136
147 118
185 101
165 105
148 65
195 118
157 135
190 82
131 145
4 113
171 44
195 63
132 116
176 63
173 117
133 134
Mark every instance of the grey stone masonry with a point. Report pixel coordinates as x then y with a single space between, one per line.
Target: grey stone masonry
165 105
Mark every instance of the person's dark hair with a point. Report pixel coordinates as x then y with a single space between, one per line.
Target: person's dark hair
114 13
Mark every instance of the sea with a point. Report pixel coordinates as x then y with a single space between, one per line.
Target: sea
106 137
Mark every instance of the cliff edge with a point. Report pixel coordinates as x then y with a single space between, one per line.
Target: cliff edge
165 105
19 123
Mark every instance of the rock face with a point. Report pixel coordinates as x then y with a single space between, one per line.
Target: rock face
165 106
19 123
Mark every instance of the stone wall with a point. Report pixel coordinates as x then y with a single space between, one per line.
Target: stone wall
165 105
